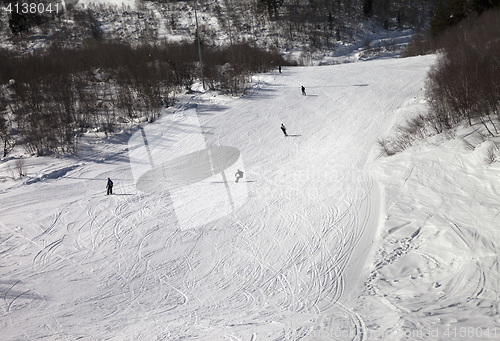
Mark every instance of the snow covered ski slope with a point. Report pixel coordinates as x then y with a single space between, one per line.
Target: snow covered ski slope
280 255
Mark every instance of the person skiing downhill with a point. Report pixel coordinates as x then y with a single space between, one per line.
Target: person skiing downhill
238 175
283 129
109 186
303 91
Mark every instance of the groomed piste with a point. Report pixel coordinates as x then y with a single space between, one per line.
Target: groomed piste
285 253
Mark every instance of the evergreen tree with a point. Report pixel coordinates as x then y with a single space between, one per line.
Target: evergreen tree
457 11
480 6
17 23
273 6
448 13
20 22
367 7
441 19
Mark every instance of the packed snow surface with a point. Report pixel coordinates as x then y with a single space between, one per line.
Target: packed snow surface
185 249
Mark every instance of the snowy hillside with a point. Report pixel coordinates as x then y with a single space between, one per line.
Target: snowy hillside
436 272
348 37
321 239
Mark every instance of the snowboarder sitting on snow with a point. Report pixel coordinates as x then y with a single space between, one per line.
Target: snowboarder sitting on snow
303 91
238 175
284 129
109 186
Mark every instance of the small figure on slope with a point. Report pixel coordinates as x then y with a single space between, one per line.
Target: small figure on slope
238 175
303 91
109 186
283 129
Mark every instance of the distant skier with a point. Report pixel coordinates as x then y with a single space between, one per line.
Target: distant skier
238 175
303 91
283 129
279 68
109 186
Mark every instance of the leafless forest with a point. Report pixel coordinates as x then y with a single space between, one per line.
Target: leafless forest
99 67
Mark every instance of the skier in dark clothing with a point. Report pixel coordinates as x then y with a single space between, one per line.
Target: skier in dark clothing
283 129
303 91
109 186
279 68
238 175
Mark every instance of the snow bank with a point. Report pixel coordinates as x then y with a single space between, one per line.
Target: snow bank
53 174
436 274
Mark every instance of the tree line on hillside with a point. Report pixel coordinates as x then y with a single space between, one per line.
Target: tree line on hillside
441 14
463 86
282 24
48 98
318 24
447 15
465 82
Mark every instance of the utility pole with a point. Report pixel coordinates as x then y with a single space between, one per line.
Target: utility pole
199 45
229 26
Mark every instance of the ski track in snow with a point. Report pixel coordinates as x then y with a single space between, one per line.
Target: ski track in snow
80 265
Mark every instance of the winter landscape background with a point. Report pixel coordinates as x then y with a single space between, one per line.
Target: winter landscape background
349 228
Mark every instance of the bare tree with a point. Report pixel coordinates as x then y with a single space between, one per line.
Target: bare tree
21 167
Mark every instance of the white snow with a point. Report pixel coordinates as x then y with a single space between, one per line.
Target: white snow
321 239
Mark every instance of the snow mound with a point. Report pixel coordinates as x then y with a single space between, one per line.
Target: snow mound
52 175
436 270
